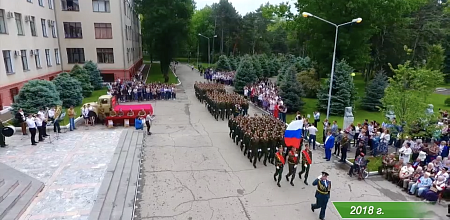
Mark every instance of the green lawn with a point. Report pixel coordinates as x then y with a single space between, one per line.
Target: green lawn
154 75
310 106
92 98
374 163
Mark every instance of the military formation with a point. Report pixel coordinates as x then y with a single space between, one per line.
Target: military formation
219 103
259 137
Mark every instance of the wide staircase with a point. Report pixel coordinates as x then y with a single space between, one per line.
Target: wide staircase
117 194
17 191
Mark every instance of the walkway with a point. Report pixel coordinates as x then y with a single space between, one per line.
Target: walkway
192 170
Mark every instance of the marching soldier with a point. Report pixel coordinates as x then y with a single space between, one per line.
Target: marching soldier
254 148
279 163
322 194
292 161
306 163
265 147
247 138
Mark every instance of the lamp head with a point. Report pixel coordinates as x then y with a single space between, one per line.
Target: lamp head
306 14
199 34
357 20
215 35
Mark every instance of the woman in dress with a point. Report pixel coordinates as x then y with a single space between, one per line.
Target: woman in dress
91 114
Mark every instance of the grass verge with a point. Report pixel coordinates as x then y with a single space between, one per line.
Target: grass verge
155 75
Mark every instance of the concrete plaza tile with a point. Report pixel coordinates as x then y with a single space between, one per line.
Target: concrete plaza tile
85 160
63 200
74 175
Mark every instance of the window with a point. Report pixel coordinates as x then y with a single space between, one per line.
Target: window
50 4
41 3
44 28
2 22
100 5
103 30
70 5
57 57
23 56
105 55
48 57
7 61
75 55
33 26
18 18
37 59
73 30
13 92
54 34
31 1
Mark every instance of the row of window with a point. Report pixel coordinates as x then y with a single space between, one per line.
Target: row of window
8 56
73 5
74 30
41 3
28 19
74 56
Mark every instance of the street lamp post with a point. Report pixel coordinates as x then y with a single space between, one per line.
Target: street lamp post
209 50
356 20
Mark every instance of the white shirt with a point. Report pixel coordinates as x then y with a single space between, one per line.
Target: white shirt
30 123
85 112
312 130
90 108
38 122
444 174
317 116
51 113
385 137
148 118
405 171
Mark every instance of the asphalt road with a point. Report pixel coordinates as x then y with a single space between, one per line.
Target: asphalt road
193 171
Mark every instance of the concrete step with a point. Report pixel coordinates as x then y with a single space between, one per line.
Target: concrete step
7 188
17 192
118 191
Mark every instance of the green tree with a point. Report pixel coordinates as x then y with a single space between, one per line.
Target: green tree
343 93
80 74
70 91
223 64
36 94
257 66
310 83
166 24
244 75
95 75
435 57
375 92
291 90
405 92
265 68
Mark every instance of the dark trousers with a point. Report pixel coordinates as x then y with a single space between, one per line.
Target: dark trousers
278 173
44 130
321 203
56 126
344 154
24 128
148 126
292 171
305 170
337 148
33 135
40 130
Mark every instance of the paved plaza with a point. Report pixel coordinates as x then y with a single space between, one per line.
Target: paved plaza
192 170
72 168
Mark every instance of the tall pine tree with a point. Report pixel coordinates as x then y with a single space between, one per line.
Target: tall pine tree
223 64
80 74
95 75
343 93
291 90
257 66
244 75
375 92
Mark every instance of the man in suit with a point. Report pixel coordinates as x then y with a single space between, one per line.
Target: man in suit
322 194
329 143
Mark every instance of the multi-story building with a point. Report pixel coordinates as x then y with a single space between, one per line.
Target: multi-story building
42 38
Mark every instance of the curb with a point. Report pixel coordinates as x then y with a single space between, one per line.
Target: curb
179 82
319 144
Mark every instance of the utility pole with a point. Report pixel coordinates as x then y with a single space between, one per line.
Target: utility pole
213 45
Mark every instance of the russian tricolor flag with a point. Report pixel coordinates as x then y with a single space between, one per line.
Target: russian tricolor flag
293 134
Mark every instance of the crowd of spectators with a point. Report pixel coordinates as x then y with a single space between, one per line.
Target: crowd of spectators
223 77
138 90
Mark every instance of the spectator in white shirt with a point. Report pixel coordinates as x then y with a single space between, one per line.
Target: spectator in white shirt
32 128
312 130
316 118
40 127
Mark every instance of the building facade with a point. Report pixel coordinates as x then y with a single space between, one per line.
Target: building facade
42 38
